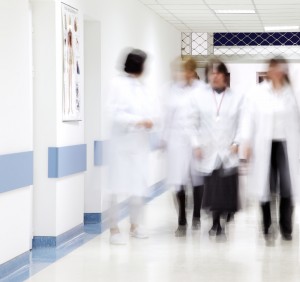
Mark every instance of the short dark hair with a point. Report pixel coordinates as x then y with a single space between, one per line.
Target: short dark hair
219 66
134 63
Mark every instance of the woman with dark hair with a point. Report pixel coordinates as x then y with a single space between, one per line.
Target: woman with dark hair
271 133
132 118
216 143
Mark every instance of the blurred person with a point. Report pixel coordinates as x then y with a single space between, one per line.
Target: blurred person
271 133
132 118
216 143
177 140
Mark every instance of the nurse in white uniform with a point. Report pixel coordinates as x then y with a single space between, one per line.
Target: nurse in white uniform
216 141
132 118
271 132
176 136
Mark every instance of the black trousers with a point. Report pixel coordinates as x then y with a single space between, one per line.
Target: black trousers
181 199
280 182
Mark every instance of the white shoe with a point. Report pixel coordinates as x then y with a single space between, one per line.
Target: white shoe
118 239
139 233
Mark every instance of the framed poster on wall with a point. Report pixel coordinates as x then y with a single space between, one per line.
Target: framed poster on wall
72 108
260 77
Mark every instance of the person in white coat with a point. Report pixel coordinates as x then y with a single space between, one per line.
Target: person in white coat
131 117
271 133
216 141
176 136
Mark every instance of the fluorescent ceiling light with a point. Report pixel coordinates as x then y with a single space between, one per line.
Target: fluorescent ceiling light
235 11
272 28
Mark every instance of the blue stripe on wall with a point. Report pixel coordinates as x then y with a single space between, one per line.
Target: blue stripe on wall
98 153
57 241
16 171
14 265
64 161
43 256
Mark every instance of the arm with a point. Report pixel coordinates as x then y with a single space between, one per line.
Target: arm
246 128
195 129
119 111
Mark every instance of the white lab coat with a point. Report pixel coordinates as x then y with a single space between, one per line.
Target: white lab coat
257 131
129 148
213 135
176 134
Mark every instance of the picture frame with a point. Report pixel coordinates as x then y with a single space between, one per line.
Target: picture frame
261 77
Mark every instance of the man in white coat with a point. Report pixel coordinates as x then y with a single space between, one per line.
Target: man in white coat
131 117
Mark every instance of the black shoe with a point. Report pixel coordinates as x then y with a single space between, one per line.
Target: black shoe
196 223
220 231
214 230
181 231
230 217
287 237
269 235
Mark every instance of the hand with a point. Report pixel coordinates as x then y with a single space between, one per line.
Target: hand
148 124
234 149
247 153
198 153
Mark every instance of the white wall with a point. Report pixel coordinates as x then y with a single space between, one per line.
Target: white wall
15 55
123 24
70 190
15 122
16 223
92 66
58 203
243 76
119 24
35 121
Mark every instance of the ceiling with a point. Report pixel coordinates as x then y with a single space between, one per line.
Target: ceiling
200 16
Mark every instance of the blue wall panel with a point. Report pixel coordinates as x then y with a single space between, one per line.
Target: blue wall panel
16 171
64 161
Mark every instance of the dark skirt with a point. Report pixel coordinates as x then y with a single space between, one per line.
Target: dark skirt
221 192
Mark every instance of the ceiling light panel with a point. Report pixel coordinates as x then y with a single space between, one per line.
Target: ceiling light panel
196 17
237 6
286 7
281 28
240 18
183 2
148 1
235 11
186 7
278 2
228 2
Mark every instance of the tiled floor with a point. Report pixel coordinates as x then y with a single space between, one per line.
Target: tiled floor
243 257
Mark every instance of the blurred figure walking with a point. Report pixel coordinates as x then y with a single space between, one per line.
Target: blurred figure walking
271 133
216 143
176 136
132 118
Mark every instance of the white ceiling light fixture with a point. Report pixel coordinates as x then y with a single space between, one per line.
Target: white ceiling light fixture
279 28
235 11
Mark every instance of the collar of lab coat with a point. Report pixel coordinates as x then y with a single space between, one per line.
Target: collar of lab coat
268 86
227 91
133 79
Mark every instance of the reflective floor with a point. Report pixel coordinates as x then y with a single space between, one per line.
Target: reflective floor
243 257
